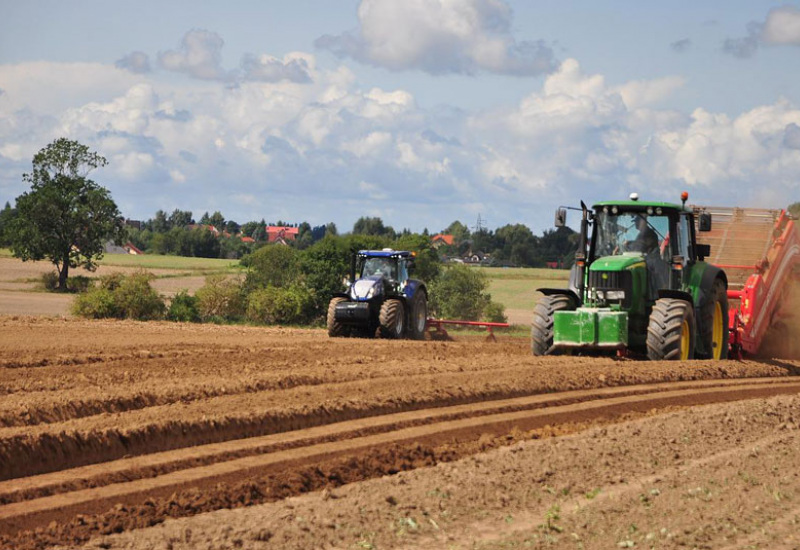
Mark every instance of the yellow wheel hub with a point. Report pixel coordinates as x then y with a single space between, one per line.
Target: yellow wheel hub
685 340
716 335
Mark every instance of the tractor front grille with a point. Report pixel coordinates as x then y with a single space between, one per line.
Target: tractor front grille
612 280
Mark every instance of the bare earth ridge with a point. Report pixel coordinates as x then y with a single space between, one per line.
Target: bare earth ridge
115 427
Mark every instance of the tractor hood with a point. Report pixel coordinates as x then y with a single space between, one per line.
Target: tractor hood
367 288
617 263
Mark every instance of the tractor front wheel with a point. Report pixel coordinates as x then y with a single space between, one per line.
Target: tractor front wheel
671 332
419 315
392 319
335 329
542 326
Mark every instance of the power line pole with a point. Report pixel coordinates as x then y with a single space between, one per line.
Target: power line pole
479 226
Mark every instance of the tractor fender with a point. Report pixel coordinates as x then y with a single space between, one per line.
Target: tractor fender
412 287
703 281
675 295
561 291
711 274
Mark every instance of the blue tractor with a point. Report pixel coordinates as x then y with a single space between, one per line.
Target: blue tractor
380 298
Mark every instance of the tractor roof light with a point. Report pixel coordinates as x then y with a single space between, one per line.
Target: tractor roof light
684 197
634 196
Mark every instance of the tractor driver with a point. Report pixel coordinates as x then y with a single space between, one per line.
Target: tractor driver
647 239
379 266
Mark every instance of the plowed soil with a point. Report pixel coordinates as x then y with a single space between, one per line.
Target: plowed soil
114 427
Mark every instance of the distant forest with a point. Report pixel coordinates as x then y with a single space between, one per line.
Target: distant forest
214 236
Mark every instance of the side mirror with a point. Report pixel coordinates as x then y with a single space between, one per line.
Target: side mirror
561 217
705 221
703 251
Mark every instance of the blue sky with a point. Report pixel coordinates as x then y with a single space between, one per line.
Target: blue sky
420 112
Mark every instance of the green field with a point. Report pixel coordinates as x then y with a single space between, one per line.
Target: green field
515 288
155 261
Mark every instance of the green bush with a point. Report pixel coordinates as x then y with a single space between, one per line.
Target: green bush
121 297
220 298
97 303
292 305
50 280
79 283
184 308
495 313
272 265
137 299
460 293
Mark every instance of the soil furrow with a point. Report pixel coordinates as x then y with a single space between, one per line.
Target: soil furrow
24 515
159 463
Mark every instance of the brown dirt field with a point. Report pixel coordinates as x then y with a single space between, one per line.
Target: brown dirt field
21 295
112 426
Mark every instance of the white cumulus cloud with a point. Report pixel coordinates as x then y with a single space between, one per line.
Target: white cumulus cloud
439 37
199 55
781 27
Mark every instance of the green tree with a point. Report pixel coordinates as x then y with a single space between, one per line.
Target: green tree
6 215
373 226
217 220
794 209
273 265
427 264
160 223
324 265
65 217
518 244
460 293
458 230
179 218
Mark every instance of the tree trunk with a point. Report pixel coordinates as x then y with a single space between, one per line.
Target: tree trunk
63 272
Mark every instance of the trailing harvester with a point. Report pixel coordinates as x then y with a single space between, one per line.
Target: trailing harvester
380 298
640 283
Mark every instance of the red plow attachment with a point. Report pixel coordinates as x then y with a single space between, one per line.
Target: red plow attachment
759 251
437 330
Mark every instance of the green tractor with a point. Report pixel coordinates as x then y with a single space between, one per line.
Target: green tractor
639 284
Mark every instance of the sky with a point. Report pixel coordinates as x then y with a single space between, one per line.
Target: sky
420 112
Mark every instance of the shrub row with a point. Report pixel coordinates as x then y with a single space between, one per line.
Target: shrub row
221 299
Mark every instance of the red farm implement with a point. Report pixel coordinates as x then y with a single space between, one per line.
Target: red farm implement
436 328
760 252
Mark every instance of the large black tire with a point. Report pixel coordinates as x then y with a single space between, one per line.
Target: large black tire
714 322
542 326
392 319
419 315
336 329
671 332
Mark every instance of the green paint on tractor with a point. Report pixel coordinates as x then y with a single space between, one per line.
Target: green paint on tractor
640 283
598 328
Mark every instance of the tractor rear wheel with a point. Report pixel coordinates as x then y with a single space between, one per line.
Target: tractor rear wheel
542 326
419 315
335 329
392 319
714 316
671 332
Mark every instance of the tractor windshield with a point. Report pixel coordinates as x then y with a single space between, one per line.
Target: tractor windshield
619 233
386 267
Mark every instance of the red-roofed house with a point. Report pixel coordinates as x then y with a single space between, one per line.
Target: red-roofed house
279 233
248 240
442 239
